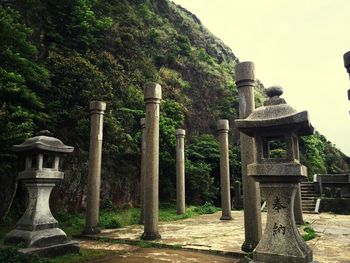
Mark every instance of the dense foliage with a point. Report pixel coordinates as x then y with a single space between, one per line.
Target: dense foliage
57 56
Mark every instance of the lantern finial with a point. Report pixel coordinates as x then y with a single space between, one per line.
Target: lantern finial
44 133
274 94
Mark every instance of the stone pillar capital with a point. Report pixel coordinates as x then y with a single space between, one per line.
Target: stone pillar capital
180 133
143 123
244 74
346 58
223 126
153 93
97 107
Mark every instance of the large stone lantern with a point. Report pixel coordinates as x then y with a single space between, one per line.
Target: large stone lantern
275 128
37 227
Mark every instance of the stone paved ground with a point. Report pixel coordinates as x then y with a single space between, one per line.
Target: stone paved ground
208 233
130 254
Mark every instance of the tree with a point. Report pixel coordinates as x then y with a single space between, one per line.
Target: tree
21 80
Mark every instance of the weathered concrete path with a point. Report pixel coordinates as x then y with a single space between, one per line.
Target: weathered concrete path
208 233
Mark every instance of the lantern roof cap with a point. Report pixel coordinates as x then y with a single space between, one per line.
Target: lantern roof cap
45 141
275 114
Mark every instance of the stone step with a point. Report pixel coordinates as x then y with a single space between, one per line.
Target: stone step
310 212
308 209
308 192
308 203
310 195
307 188
306 206
312 198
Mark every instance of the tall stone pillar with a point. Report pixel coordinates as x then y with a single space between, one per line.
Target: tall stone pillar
143 167
97 109
180 171
153 95
245 79
222 129
298 210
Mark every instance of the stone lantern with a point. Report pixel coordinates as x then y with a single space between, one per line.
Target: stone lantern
37 227
275 128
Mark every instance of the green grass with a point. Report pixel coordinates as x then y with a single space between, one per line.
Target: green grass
116 218
167 212
10 255
111 218
73 224
309 233
83 256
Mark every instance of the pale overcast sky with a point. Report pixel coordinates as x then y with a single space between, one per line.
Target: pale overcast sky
297 44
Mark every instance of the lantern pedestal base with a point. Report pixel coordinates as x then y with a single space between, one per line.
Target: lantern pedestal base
38 238
52 251
281 241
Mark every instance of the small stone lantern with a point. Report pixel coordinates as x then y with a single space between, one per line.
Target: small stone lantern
37 227
275 128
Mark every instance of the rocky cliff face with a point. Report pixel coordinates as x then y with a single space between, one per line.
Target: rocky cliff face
108 50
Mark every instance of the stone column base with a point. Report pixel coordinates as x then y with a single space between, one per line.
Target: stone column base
150 236
91 230
249 246
226 218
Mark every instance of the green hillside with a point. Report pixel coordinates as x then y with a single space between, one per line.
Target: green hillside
58 55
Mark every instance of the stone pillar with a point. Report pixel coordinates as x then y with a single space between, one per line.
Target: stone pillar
244 75
143 167
238 202
153 95
97 109
222 129
180 171
298 211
